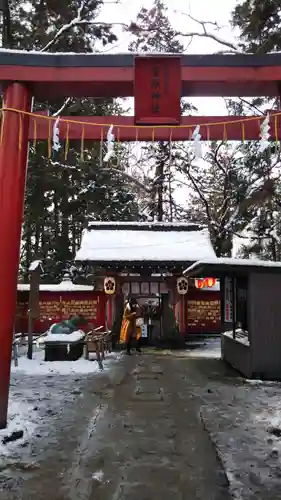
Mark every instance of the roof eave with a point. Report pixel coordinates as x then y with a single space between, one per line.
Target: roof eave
221 270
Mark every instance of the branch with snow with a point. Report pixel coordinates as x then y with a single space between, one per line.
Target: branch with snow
137 30
65 27
35 265
63 107
128 177
78 20
206 33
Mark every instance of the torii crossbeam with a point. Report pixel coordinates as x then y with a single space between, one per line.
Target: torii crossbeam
157 82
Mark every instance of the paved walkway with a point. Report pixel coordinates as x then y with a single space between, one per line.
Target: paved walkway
135 436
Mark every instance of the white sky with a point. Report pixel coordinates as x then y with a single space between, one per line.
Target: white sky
205 10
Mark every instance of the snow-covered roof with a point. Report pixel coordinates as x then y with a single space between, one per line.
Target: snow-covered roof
64 286
144 241
69 54
234 263
154 226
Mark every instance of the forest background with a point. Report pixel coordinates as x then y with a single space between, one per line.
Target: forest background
234 190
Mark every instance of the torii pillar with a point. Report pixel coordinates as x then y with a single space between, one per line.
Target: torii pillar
13 166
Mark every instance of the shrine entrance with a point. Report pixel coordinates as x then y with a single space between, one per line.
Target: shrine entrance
157 82
131 259
153 318
151 298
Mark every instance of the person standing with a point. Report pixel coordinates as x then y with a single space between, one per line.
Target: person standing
131 327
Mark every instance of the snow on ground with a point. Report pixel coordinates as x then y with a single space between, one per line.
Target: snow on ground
20 418
208 349
39 392
243 419
239 420
37 366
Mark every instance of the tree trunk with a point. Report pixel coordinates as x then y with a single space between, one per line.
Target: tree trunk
28 252
30 335
160 187
56 215
7 35
171 208
64 210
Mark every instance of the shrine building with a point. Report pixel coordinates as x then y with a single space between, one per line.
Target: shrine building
146 260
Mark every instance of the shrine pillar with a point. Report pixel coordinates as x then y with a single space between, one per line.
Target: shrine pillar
109 312
13 165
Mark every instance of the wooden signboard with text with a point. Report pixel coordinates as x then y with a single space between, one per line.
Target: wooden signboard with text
157 90
228 301
55 307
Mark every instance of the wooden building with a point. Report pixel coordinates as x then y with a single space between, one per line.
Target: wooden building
250 311
147 260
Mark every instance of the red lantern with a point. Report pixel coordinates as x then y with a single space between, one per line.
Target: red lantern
210 282
199 283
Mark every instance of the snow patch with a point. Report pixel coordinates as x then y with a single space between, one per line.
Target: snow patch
37 366
207 353
210 349
34 265
241 336
261 382
63 337
64 286
21 417
241 420
98 476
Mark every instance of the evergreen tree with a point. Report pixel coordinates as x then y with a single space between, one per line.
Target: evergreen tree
259 23
62 26
63 193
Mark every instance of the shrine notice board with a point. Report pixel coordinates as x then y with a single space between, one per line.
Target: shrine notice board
204 312
57 306
157 90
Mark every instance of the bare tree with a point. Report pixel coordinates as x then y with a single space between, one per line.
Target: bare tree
225 195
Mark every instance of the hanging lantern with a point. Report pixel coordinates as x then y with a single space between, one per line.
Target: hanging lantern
182 285
199 283
210 282
109 285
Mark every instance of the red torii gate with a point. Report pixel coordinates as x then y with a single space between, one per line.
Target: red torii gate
157 82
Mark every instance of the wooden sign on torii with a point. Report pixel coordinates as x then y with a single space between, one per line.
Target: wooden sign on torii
156 81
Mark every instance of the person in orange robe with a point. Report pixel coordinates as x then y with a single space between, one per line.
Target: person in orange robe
129 328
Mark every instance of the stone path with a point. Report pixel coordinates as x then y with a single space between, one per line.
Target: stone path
163 450
136 436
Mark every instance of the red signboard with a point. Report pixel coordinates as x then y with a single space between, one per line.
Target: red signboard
203 312
157 90
55 307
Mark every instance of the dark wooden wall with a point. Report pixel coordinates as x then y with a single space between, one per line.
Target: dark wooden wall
265 324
